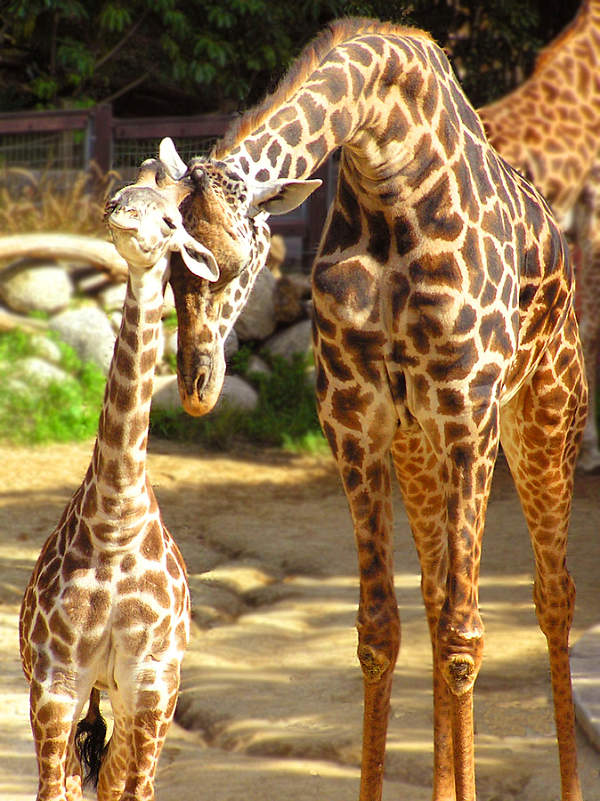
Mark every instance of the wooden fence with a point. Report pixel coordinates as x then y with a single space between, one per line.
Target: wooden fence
73 139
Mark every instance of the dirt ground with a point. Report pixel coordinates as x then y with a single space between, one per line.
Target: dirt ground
270 704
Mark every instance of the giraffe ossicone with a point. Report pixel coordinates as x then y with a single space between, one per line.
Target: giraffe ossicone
107 606
443 324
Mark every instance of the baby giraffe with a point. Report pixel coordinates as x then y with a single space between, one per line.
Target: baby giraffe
107 606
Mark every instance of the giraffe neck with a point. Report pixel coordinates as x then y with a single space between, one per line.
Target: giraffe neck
377 96
118 469
574 50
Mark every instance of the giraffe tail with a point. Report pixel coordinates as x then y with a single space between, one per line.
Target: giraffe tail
89 740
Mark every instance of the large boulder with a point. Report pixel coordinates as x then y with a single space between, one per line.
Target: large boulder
40 372
27 286
237 394
89 332
296 338
257 320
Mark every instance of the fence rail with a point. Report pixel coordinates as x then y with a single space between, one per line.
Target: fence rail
72 140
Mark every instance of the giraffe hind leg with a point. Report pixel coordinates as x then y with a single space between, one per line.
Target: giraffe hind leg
541 430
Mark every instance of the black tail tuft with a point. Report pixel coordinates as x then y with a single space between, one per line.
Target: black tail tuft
89 740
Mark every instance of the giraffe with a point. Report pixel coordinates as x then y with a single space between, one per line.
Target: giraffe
443 324
548 129
107 606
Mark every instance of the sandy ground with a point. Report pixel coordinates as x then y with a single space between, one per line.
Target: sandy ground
270 704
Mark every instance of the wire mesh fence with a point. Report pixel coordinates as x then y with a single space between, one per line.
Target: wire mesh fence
128 154
56 150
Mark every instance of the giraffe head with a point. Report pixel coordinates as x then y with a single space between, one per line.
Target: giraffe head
145 223
227 213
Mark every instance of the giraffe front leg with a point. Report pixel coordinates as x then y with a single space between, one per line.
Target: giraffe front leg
458 478
418 471
378 622
365 473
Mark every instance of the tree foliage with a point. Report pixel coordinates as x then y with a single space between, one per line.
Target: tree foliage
175 57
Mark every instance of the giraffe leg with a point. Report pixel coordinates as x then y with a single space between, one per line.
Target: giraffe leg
417 471
143 711
53 715
378 622
447 496
587 232
541 430
363 461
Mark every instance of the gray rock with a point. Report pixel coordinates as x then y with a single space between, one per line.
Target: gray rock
27 287
39 371
257 320
237 394
89 332
258 365
169 301
232 345
46 348
165 393
296 338
112 297
170 337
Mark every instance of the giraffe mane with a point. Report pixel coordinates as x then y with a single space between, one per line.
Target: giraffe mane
310 58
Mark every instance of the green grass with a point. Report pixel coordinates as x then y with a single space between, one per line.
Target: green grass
68 411
31 413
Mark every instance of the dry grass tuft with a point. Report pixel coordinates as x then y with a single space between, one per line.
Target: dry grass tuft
54 201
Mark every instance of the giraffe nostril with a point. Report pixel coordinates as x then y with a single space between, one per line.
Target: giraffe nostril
201 381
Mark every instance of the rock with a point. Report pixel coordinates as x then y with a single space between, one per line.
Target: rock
40 372
237 394
170 337
288 297
27 286
46 349
257 320
258 365
115 318
296 338
89 332
165 393
168 301
112 297
232 345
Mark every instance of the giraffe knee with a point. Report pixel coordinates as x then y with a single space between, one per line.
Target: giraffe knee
459 654
377 656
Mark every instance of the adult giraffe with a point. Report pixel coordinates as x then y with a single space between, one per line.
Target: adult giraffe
443 322
548 129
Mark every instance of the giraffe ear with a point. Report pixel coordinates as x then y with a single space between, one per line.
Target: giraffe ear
197 258
171 159
281 195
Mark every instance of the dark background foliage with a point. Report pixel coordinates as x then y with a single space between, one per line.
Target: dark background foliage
160 57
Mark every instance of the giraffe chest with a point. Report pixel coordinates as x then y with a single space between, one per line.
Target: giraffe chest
91 609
